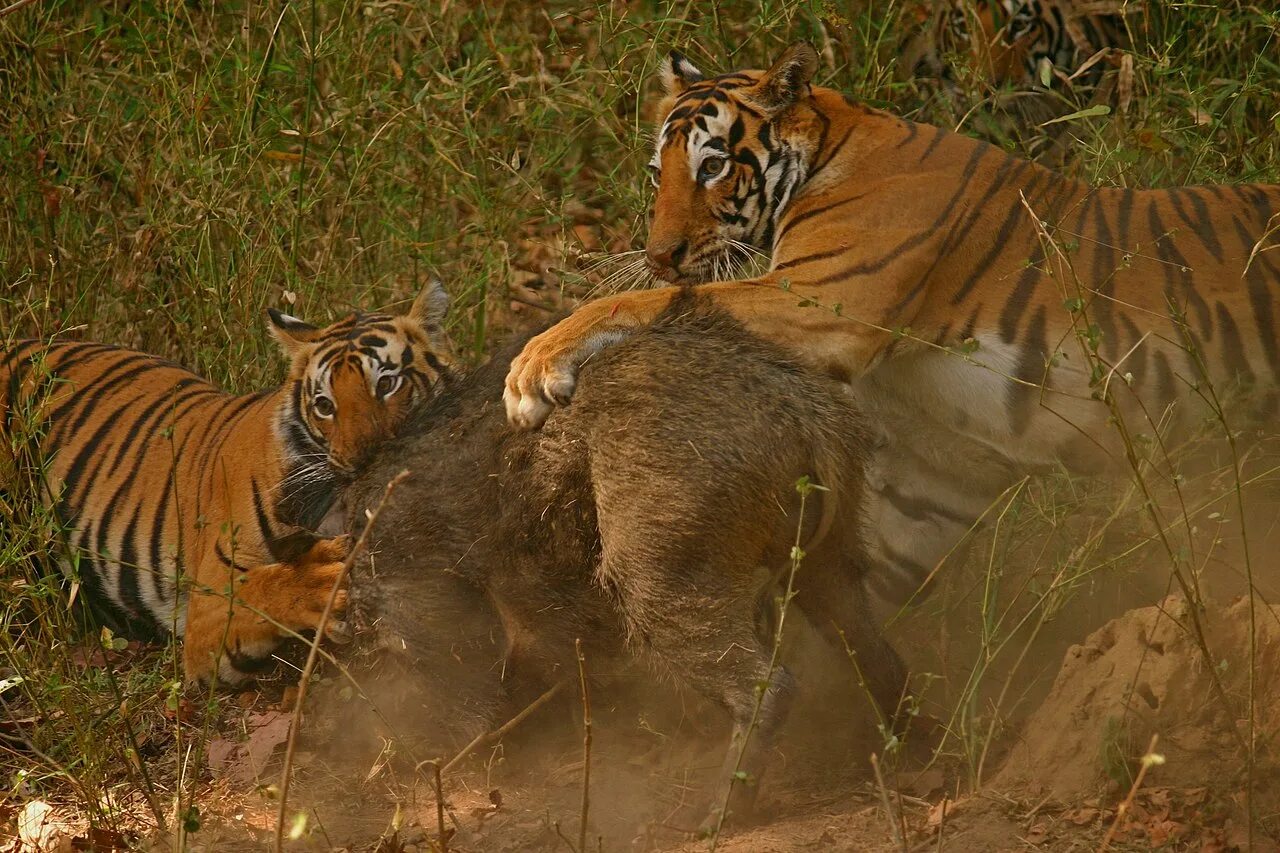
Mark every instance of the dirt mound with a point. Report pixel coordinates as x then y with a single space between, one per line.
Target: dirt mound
1144 674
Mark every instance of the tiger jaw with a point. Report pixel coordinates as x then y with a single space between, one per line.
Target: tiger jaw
671 276
715 264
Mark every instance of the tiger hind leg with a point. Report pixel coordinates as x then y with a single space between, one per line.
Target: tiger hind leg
228 640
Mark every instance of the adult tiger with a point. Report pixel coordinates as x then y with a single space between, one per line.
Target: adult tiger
908 258
172 491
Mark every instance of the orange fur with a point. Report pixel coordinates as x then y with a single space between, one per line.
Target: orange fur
908 228
173 494
980 304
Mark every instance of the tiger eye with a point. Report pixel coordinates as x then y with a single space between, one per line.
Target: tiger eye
712 167
324 407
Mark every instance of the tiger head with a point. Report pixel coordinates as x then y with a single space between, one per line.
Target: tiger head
731 152
352 384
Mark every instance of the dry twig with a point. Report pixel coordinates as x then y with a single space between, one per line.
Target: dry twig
498 733
305 678
586 745
894 831
1149 758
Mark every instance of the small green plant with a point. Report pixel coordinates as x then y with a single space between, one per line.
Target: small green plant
1115 752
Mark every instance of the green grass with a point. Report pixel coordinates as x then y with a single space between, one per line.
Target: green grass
170 170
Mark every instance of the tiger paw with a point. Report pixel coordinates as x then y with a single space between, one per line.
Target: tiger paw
540 379
314 576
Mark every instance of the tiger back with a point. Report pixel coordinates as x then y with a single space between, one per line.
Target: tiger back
995 317
169 492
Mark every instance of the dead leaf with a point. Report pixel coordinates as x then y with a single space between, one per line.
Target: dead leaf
267 731
221 753
1082 817
948 808
1163 831
87 656
94 655
42 830
1214 844
1199 116
185 711
100 840
245 762
924 783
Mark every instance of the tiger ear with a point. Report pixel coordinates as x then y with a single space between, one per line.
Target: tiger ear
787 81
430 307
292 334
678 73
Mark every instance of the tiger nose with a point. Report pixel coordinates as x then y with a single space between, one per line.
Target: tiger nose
667 255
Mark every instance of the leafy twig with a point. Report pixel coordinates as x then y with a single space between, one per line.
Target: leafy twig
586 744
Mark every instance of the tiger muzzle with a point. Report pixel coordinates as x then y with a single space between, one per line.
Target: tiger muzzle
665 258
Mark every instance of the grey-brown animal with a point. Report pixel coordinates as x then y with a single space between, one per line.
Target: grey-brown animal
653 519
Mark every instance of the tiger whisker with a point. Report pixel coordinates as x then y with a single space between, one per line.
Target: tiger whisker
303 476
752 261
627 264
747 249
609 258
630 273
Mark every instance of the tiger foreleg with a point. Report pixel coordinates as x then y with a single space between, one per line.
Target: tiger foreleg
234 624
805 320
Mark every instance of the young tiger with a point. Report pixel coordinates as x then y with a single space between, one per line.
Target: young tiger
172 491
976 301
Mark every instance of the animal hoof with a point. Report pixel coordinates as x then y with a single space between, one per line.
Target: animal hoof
340 632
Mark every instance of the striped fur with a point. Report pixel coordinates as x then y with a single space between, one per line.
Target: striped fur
170 490
1010 42
906 260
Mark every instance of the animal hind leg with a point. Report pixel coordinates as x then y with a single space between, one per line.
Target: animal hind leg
234 622
697 620
757 717
834 599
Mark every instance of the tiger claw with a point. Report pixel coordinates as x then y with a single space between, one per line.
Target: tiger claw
559 388
526 412
531 394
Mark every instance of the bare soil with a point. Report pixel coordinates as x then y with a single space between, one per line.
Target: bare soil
1059 785
654 753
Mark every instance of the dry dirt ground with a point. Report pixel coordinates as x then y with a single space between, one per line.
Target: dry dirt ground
1062 774
1139 675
